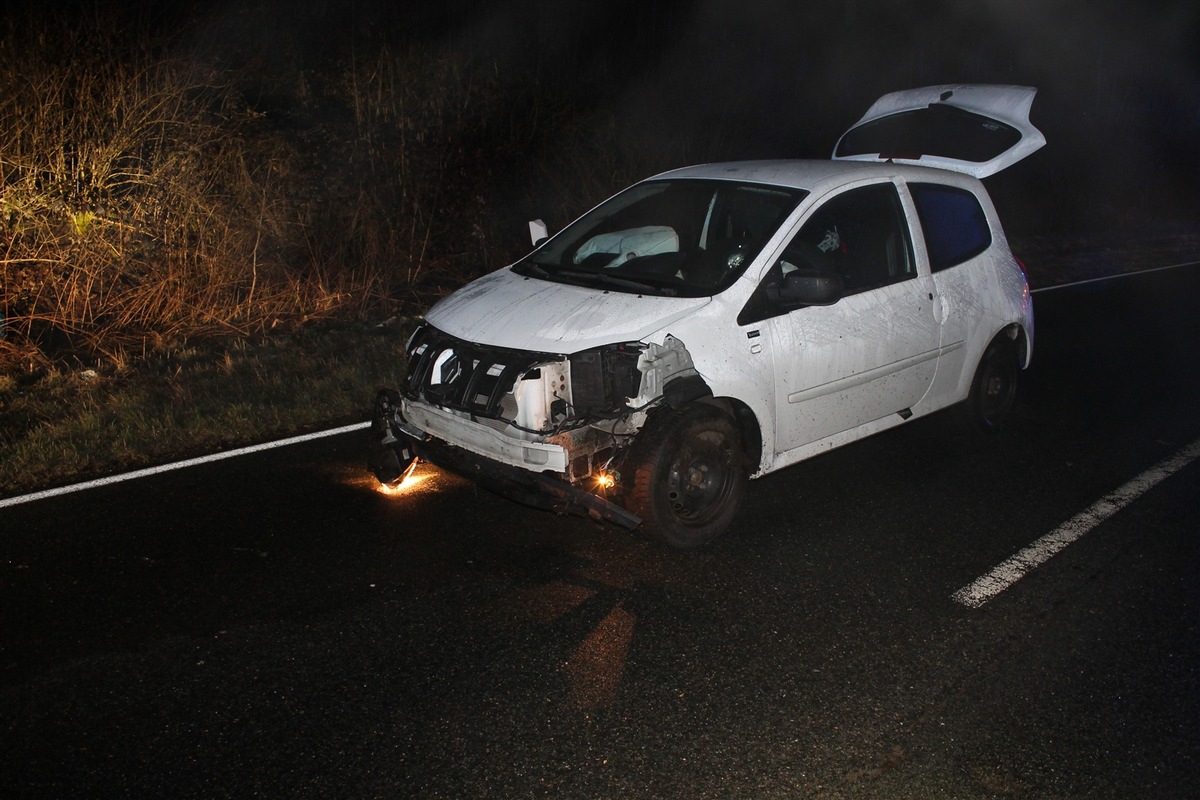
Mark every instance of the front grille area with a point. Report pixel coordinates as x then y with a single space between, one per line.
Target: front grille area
463 376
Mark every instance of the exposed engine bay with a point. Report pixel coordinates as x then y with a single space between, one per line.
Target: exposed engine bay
572 416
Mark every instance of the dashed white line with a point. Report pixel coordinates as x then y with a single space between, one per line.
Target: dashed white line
191 462
1008 572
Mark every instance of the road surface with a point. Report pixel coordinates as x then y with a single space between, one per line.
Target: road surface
274 626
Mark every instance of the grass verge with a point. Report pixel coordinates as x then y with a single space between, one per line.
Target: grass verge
82 423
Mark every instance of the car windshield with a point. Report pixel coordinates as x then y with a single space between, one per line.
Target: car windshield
684 238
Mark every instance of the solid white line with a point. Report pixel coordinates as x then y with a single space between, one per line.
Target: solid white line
1112 277
1013 569
191 462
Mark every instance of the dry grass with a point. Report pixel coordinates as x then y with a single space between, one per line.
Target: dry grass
85 422
131 207
144 199
167 236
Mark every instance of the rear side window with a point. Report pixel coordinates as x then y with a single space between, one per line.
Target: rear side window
956 229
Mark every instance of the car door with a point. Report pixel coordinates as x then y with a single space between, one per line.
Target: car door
870 354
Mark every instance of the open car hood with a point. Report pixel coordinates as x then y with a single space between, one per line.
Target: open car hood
971 128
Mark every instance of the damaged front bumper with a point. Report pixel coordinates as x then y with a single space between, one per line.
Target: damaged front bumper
522 471
419 420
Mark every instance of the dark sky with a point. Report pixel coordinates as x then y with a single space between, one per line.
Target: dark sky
785 65
781 62
1096 53
1119 82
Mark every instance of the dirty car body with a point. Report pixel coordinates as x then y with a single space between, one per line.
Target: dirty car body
716 323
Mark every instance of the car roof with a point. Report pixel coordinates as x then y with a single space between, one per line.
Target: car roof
816 175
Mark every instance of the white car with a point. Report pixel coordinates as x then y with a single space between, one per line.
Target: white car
716 323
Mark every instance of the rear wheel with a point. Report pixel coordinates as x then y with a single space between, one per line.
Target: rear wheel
689 474
993 393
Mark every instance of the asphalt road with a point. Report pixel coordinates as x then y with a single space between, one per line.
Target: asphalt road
273 626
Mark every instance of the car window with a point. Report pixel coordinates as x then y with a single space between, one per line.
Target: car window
939 129
955 227
686 238
862 236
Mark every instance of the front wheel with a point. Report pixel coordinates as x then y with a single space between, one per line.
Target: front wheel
993 393
689 474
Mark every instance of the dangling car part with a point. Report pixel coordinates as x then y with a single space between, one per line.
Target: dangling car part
391 457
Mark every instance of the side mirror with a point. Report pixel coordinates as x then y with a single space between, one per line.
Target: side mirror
538 232
808 286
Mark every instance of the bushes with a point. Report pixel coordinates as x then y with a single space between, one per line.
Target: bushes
240 176
146 197
134 202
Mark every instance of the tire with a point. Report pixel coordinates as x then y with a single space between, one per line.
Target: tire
389 458
689 475
993 394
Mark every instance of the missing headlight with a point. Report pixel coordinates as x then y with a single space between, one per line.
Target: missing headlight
603 378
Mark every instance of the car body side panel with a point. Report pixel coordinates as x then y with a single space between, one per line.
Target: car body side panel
976 300
975 313
865 357
731 362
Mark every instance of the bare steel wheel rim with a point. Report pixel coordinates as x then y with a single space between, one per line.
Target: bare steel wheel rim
699 479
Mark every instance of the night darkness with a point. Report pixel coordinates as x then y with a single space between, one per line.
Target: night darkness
221 221
562 103
1119 83
690 80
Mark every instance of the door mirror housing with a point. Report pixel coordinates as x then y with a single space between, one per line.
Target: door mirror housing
808 286
538 232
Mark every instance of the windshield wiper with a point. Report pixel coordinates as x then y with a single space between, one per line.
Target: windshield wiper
525 268
613 280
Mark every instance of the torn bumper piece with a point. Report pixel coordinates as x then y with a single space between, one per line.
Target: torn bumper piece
537 489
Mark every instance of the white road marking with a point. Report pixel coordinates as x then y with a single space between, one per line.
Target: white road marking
1112 277
191 462
1008 572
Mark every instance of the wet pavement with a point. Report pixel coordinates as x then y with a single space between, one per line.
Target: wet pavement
275 626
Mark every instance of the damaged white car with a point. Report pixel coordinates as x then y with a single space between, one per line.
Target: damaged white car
716 323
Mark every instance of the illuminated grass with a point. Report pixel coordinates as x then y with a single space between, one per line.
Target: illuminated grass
80 424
